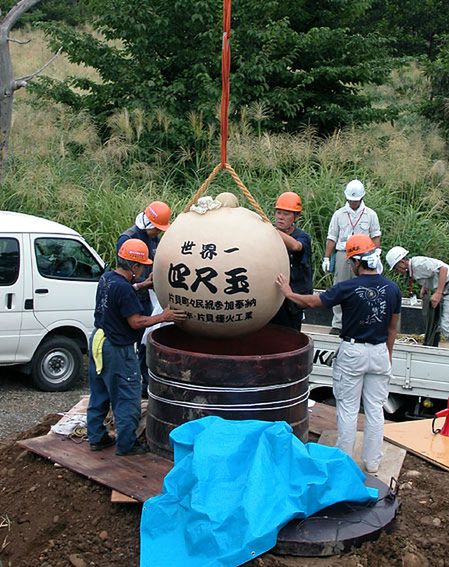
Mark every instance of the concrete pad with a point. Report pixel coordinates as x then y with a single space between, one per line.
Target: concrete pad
390 465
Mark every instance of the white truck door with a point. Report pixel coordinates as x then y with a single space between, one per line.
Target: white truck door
12 265
65 276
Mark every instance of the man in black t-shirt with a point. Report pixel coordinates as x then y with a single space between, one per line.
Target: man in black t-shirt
288 211
114 375
148 226
371 305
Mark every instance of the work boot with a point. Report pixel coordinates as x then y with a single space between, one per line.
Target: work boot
105 441
137 449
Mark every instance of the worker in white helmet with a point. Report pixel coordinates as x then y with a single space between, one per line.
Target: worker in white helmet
431 274
354 218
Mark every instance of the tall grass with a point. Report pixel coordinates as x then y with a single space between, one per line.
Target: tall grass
60 170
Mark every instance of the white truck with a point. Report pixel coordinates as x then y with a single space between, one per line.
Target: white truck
48 281
420 382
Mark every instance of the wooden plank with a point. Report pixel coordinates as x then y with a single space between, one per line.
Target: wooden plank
324 418
119 498
138 476
80 407
390 465
417 437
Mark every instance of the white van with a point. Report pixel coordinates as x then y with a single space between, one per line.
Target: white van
48 281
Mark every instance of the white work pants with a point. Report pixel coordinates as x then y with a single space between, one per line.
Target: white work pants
361 371
444 317
342 273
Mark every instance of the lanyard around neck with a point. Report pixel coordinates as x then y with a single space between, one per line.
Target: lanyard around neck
353 225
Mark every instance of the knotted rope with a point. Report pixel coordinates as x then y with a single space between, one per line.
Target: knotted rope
224 121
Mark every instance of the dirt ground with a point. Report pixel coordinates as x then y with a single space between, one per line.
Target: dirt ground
52 517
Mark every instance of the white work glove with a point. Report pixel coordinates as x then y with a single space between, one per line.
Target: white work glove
326 265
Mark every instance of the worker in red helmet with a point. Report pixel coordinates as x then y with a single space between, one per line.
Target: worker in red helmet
288 209
147 228
370 305
114 374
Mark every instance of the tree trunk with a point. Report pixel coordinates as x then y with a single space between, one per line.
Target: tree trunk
7 82
6 95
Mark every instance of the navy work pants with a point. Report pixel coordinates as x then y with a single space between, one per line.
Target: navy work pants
119 386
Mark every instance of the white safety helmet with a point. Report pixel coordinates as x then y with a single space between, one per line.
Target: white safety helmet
355 191
395 255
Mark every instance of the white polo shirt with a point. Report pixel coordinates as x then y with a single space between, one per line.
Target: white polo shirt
425 271
345 222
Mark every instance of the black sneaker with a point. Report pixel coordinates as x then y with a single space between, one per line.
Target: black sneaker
106 441
138 449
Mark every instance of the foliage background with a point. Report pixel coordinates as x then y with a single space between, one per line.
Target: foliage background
294 63
95 175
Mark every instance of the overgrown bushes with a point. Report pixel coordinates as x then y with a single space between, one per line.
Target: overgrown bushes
60 170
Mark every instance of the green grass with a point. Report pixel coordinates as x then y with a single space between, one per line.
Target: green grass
58 169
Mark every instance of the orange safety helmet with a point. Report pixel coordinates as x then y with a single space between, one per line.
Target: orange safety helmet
358 245
134 250
158 213
289 201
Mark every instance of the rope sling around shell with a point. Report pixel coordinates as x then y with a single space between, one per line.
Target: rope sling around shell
224 120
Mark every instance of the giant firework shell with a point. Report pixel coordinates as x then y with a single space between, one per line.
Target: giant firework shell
220 267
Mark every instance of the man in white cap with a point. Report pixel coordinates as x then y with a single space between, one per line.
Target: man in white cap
354 218
431 274
147 228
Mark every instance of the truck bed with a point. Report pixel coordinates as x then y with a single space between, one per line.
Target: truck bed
417 370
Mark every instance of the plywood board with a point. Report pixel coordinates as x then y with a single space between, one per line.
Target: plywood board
324 418
119 498
392 460
138 476
417 437
80 407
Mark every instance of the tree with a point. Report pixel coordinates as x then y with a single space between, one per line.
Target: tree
73 12
9 84
411 25
437 108
296 58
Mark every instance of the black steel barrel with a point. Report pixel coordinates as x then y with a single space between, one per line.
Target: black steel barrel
260 376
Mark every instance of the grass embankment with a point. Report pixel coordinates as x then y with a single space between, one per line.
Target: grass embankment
59 169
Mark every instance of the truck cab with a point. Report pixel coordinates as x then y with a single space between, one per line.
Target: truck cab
48 281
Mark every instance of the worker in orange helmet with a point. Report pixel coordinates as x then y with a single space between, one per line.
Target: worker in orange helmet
114 374
288 209
370 305
147 228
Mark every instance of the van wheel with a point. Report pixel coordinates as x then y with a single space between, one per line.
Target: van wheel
57 364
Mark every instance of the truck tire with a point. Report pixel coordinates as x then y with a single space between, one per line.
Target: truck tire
57 364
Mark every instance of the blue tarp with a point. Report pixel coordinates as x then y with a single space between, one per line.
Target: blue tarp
234 485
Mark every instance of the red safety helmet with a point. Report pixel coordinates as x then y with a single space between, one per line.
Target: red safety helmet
289 201
158 213
134 250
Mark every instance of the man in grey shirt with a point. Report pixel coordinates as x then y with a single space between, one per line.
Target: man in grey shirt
354 218
431 274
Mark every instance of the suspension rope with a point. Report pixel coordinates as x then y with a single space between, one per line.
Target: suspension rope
225 83
224 121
